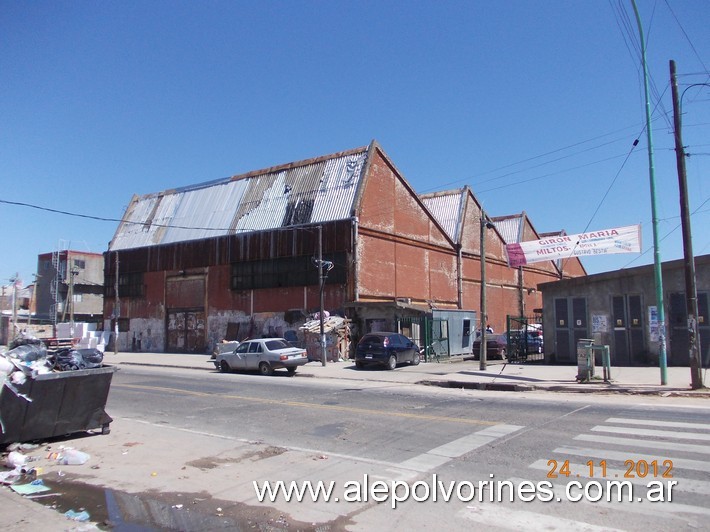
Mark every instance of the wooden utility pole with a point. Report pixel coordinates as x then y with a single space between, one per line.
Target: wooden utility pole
691 294
116 309
14 280
321 282
483 351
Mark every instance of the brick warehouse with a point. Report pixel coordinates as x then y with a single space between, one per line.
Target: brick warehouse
234 257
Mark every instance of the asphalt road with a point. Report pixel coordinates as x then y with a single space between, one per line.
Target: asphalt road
204 437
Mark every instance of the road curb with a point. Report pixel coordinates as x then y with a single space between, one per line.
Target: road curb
493 386
510 387
490 386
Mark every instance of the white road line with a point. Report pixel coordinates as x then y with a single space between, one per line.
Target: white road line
658 509
679 463
580 470
444 453
499 516
656 423
666 406
650 432
648 444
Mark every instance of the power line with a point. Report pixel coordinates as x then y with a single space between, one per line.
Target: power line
697 210
692 46
529 159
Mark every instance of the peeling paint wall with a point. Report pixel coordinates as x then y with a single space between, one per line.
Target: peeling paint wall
147 334
236 325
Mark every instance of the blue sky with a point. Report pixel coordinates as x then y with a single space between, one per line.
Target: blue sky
534 105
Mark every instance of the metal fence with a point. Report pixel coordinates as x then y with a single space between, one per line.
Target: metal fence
431 334
525 340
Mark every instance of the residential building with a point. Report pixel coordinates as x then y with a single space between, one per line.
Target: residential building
69 286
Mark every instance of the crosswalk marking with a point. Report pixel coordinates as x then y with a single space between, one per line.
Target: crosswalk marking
499 516
617 441
622 456
660 509
684 484
658 423
438 456
648 444
650 432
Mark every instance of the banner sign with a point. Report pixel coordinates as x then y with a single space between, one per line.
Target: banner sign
618 240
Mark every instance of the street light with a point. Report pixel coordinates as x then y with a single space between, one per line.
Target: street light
661 313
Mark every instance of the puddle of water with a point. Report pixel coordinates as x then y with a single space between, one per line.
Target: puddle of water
116 510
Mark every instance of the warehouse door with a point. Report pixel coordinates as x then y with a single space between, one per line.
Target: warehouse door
186 320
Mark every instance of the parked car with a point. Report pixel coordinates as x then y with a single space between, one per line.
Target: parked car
225 346
532 340
496 346
385 349
262 354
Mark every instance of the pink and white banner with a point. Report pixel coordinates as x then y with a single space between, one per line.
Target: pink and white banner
618 240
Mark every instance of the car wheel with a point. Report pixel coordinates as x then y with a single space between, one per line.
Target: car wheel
415 359
265 369
291 371
224 367
359 365
392 362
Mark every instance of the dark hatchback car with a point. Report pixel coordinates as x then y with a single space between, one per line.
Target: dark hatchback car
385 349
496 346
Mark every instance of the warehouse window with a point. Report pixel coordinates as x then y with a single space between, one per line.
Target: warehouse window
129 285
284 272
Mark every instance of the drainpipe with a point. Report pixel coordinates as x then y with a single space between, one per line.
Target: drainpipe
521 296
356 260
459 275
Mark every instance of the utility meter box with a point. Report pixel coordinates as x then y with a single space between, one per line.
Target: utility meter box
585 359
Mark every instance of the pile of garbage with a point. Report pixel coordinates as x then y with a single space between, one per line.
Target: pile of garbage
25 472
28 357
337 337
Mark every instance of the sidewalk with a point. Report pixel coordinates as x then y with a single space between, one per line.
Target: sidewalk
498 376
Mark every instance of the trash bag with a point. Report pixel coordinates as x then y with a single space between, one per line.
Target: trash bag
74 359
25 340
28 352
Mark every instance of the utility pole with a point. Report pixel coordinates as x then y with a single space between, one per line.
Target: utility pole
483 355
691 294
33 298
14 280
73 271
116 310
320 286
654 215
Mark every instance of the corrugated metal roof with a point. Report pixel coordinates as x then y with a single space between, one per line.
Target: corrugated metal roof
446 209
509 228
313 191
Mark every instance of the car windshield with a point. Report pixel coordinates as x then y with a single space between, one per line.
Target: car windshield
372 339
275 345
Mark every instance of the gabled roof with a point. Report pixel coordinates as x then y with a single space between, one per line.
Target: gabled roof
447 208
510 227
316 190
513 230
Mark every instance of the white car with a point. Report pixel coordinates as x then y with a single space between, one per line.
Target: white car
262 354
